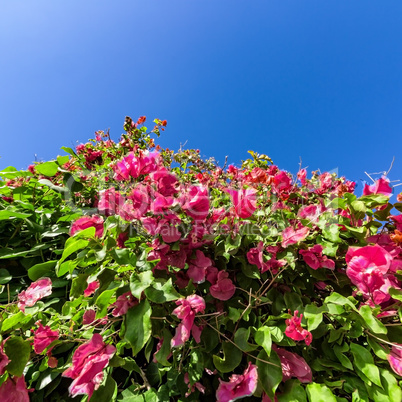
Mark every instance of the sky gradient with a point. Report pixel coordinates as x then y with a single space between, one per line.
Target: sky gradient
315 80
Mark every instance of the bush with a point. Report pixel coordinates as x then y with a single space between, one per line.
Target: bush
131 272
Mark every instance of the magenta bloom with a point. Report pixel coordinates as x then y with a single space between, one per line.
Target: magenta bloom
223 289
89 360
282 182
196 203
110 202
255 256
293 365
88 317
293 236
165 182
91 288
14 389
244 201
295 331
395 359
36 291
311 212
4 360
314 258
239 385
198 267
186 310
43 337
381 186
86 222
368 269
123 303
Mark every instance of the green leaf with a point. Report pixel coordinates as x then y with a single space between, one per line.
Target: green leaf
61 160
319 393
336 298
241 340
293 392
17 319
161 291
138 325
264 339
374 200
232 358
7 214
331 233
391 386
363 360
139 282
66 266
47 168
46 378
313 315
18 351
395 293
69 151
78 285
162 354
5 276
72 246
103 302
40 270
106 392
377 348
269 375
344 360
372 322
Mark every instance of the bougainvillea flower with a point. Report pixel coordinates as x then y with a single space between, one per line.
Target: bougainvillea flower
43 337
293 236
36 291
186 310
4 360
123 303
282 182
381 186
295 331
311 212
397 220
244 201
110 202
88 317
367 268
191 388
302 175
223 289
293 365
314 258
89 360
196 203
165 182
92 286
255 256
198 266
14 390
239 385
395 359
86 222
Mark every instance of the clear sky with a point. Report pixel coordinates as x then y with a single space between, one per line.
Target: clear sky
320 80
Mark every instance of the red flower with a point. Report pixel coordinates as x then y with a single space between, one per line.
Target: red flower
293 365
295 331
244 202
43 337
239 385
223 289
4 360
86 222
36 291
91 288
14 390
89 360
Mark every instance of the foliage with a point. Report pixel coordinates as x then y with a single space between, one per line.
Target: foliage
131 272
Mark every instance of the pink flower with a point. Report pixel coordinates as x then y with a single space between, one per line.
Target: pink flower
395 359
165 182
14 389
186 310
110 202
43 337
367 268
86 222
293 236
295 331
198 266
191 388
196 203
244 201
314 258
293 365
36 291
88 317
123 303
381 186
223 289
311 212
4 360
302 175
89 360
239 385
91 288
255 256
282 182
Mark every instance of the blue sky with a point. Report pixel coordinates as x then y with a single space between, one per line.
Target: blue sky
320 80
